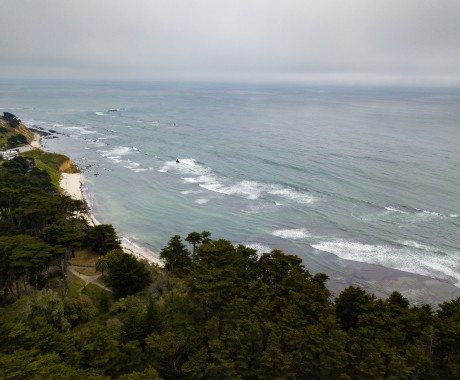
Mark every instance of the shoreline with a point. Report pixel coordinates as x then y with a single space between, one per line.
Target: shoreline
72 185
36 141
382 281
374 279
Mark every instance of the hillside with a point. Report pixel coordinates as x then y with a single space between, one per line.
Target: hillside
11 126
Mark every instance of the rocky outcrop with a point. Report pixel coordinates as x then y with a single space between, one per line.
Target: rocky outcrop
68 167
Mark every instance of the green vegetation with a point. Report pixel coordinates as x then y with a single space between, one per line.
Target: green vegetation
51 163
214 312
11 119
12 132
126 275
16 140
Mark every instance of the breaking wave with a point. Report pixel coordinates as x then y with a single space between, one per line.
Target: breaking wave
299 233
410 257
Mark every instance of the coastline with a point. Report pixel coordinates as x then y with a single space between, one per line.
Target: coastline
72 185
382 281
36 141
375 279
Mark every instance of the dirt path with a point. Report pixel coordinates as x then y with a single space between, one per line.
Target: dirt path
88 279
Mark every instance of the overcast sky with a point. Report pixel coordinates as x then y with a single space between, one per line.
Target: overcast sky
407 41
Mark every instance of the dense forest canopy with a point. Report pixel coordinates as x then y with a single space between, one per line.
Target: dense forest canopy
215 311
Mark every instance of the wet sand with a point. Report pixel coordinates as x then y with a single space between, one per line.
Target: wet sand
381 281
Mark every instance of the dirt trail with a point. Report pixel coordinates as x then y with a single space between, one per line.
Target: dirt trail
88 279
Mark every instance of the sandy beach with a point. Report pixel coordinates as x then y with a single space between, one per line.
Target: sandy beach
35 143
72 185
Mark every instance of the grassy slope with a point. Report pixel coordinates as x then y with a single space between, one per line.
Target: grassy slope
49 162
54 164
4 135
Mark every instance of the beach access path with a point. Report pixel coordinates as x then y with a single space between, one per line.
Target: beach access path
88 279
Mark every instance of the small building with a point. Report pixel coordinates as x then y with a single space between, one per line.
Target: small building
9 154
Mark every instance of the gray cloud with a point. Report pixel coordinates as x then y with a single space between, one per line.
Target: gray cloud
335 40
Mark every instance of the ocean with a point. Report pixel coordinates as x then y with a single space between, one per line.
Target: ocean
368 174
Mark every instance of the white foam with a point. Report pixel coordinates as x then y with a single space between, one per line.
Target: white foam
207 180
117 151
187 192
294 234
116 154
278 204
453 216
260 248
420 246
98 144
193 172
82 130
130 242
245 189
431 212
202 201
100 113
186 166
393 209
408 258
116 159
295 195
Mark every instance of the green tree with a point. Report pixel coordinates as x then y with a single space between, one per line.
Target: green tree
22 164
24 260
126 274
274 266
16 140
68 237
146 374
47 308
102 238
102 351
31 364
205 237
274 363
194 238
152 318
351 303
175 255
447 346
102 264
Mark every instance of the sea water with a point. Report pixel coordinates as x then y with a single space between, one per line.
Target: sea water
367 174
